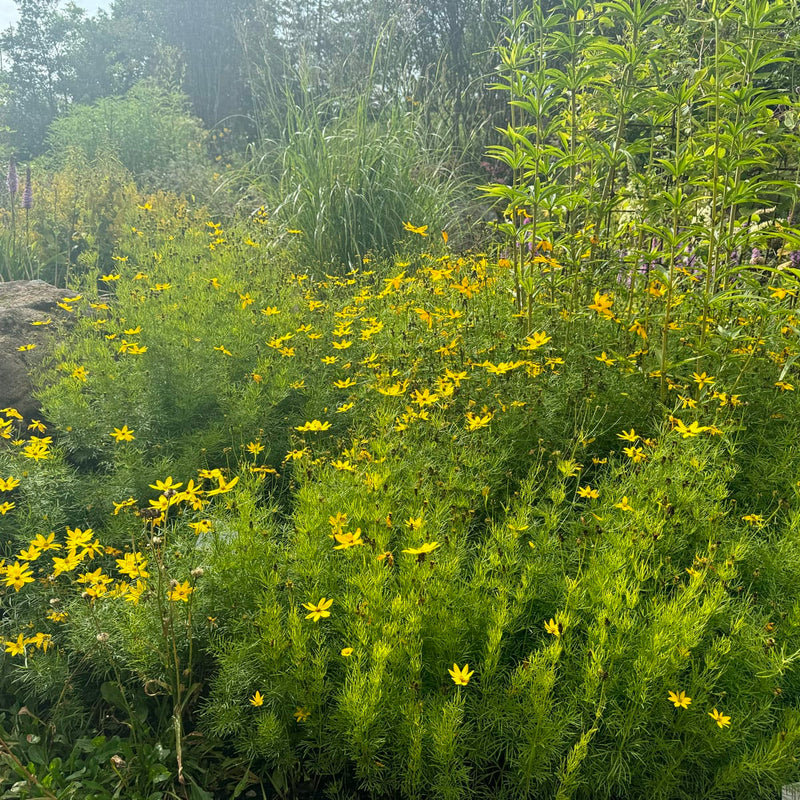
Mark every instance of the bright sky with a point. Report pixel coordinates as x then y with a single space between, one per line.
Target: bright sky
8 9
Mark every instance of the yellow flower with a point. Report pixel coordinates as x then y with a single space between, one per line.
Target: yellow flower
37 448
347 540
605 359
602 305
535 341
424 398
202 526
422 231
587 491
124 504
347 652
679 699
318 611
337 522
395 390
31 554
66 564
223 487
638 328
628 436
45 543
17 575
302 714
552 627
257 699
180 592
16 648
254 448
8 484
636 454
461 676
123 434
163 486
6 507
687 431
134 593
475 422
719 718
702 379
133 565
624 505
424 549
315 426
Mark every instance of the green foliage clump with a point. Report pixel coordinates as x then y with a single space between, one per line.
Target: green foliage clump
371 534
149 131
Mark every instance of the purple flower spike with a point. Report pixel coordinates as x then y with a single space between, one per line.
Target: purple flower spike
13 178
27 195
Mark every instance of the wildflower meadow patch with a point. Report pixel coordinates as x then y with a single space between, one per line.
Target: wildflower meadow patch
440 518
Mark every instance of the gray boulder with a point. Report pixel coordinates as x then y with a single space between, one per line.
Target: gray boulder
21 304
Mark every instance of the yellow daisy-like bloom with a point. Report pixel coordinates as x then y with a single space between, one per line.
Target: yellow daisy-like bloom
347 652
17 575
180 592
475 422
164 486
422 230
257 699
624 505
16 648
201 526
462 675
9 484
318 611
719 718
552 627
315 426
679 699
302 714
123 434
424 549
